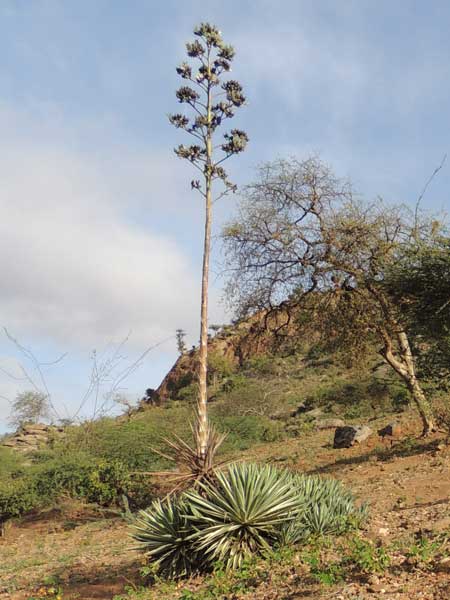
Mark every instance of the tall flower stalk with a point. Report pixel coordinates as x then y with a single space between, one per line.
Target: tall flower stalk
210 99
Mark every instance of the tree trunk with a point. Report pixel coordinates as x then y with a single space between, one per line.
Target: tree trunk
202 440
423 406
404 366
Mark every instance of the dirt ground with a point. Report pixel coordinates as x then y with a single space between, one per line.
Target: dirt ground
405 480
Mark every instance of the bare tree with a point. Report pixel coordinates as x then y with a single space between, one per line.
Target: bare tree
109 371
211 101
302 239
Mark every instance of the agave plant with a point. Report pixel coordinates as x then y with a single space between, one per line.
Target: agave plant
241 511
163 532
329 508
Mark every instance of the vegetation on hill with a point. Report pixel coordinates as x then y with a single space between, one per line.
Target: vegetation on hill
101 461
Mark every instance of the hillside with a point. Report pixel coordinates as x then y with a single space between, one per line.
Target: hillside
82 551
280 404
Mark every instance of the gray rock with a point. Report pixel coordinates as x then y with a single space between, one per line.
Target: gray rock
330 423
314 413
349 435
362 433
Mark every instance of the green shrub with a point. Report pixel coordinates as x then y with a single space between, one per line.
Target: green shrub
19 492
17 497
79 476
262 365
244 432
219 366
359 397
363 556
325 572
102 482
188 393
131 442
11 463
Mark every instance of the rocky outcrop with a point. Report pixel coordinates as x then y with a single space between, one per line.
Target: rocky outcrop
31 437
234 344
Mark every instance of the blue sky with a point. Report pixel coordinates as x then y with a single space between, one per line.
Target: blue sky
100 234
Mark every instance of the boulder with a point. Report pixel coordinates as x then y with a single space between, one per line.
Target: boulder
330 423
32 436
391 430
349 435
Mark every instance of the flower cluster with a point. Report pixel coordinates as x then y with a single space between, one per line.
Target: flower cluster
236 141
226 52
187 94
210 34
192 153
233 90
179 121
223 108
212 101
185 71
194 49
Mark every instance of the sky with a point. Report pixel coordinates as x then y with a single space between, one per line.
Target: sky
100 234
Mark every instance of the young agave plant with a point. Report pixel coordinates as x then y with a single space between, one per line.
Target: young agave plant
163 532
329 508
240 513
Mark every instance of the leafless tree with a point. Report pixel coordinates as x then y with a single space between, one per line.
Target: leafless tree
108 373
304 239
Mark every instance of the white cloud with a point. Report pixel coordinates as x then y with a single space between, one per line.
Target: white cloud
75 267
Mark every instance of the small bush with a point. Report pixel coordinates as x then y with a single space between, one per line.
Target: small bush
11 463
359 398
100 481
80 477
244 432
17 497
219 366
131 442
363 556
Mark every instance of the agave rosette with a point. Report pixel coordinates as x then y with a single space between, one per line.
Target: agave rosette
163 532
241 511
